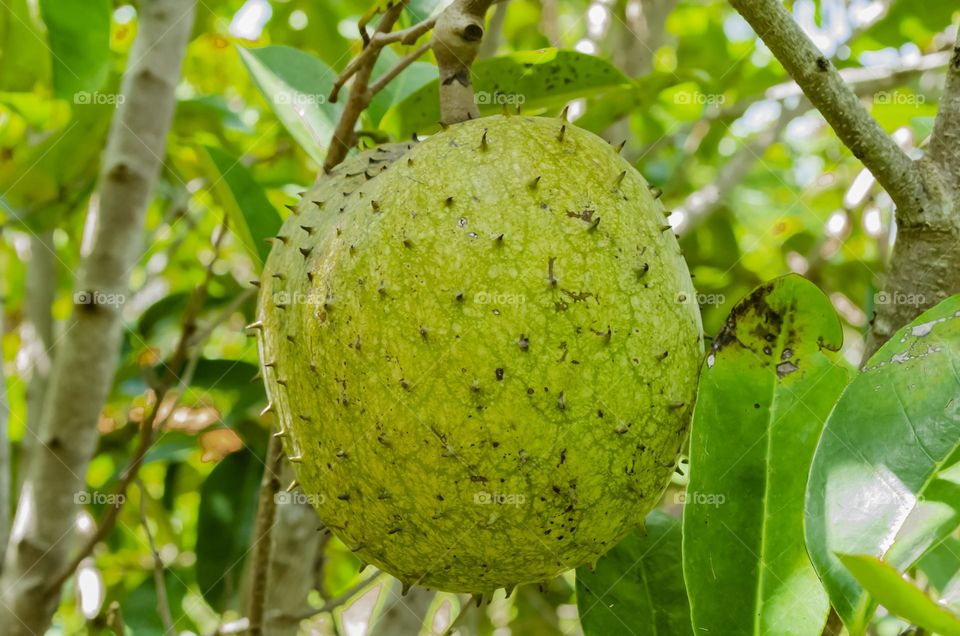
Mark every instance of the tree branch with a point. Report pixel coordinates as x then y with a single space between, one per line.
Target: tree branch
149 424
87 357
163 603
41 280
945 138
296 544
360 69
266 514
822 84
862 81
925 262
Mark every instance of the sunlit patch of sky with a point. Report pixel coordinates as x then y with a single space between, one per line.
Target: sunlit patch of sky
586 46
736 28
858 190
348 28
298 20
757 117
806 169
249 20
124 14
598 18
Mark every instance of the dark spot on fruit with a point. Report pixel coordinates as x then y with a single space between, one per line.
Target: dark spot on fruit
499 373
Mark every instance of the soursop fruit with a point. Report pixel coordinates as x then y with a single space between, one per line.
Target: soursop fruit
482 352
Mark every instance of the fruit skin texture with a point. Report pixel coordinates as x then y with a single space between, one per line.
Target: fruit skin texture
476 352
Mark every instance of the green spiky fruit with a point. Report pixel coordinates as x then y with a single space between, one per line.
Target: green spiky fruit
482 352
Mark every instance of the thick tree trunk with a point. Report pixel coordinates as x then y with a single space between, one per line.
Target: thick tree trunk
925 265
297 540
87 356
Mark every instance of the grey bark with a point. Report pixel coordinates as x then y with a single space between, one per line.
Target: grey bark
297 541
87 356
925 263
41 281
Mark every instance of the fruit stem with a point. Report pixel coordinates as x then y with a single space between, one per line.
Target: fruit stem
456 43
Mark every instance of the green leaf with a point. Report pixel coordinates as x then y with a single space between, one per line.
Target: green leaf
885 478
408 82
900 596
766 388
252 216
537 80
79 35
941 566
296 85
228 502
24 59
45 181
637 587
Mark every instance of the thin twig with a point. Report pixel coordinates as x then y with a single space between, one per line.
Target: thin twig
371 51
163 603
361 68
148 424
398 68
328 606
266 512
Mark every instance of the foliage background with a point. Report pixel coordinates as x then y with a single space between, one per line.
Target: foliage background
691 97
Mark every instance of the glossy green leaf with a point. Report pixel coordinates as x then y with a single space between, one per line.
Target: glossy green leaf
941 566
899 596
296 86
228 502
252 217
536 80
637 587
885 479
766 388
79 37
